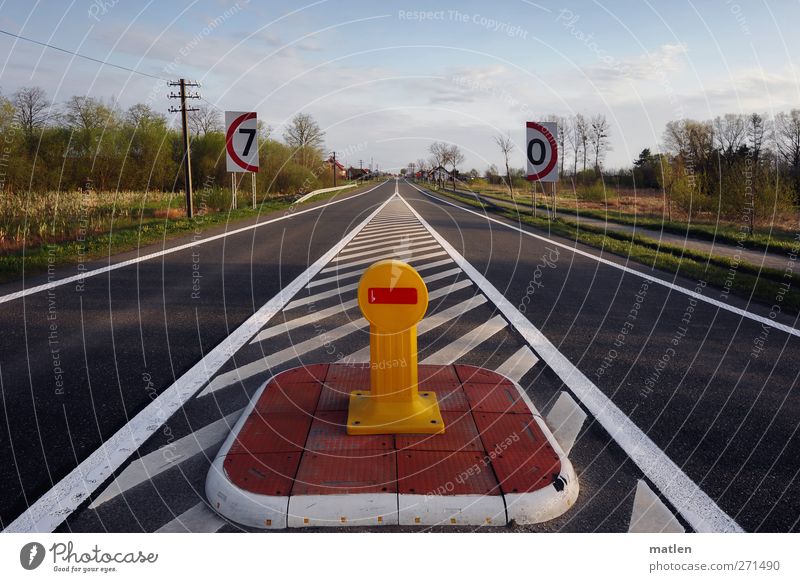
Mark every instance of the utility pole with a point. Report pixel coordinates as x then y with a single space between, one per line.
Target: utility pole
184 111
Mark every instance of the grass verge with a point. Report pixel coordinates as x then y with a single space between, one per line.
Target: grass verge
100 245
743 280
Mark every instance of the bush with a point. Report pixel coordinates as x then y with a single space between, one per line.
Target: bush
596 192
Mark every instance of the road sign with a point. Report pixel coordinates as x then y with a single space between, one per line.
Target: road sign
241 141
541 151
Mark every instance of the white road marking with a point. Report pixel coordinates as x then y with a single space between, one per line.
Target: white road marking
565 420
302 321
403 221
385 255
378 233
651 278
50 510
389 247
145 468
692 502
428 324
518 364
359 272
276 359
197 519
161 253
650 515
467 342
386 240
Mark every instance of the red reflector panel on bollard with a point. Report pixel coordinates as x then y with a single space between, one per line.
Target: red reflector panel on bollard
396 296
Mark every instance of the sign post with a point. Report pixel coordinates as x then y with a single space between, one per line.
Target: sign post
241 148
541 152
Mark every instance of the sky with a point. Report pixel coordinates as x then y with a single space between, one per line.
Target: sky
386 79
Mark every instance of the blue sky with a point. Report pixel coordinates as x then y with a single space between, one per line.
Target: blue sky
386 78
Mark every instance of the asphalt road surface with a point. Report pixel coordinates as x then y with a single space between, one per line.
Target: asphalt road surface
118 389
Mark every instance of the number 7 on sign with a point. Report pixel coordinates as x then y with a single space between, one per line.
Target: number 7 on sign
251 135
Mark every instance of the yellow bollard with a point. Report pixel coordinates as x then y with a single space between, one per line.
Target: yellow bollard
393 298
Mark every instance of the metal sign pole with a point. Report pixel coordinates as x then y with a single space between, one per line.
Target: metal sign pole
233 190
253 187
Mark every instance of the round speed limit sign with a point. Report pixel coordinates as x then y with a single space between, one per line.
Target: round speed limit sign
541 151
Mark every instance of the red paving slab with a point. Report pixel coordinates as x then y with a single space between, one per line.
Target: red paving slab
460 434
443 473
511 433
265 473
295 441
322 474
329 434
522 472
502 397
272 433
283 397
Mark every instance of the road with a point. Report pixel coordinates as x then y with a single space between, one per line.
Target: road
690 393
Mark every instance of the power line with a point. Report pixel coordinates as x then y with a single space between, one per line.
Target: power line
88 58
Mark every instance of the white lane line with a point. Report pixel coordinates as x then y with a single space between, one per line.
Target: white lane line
50 510
161 253
518 364
692 502
429 323
388 239
467 342
379 222
353 286
359 272
386 255
198 519
276 359
145 468
650 515
393 247
651 278
565 419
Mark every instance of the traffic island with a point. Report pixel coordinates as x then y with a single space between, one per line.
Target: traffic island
371 445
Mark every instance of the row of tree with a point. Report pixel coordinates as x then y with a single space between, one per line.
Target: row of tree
86 142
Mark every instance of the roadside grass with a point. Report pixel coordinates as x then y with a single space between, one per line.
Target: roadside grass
109 233
744 280
763 239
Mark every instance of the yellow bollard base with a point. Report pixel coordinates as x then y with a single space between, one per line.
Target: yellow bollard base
368 415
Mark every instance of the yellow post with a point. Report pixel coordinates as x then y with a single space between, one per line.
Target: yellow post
393 298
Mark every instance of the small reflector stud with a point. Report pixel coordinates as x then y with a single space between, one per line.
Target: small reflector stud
396 296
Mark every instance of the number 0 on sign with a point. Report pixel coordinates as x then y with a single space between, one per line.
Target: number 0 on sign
541 151
241 141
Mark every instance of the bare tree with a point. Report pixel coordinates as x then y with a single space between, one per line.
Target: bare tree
205 120
506 145
730 132
31 111
756 131
598 137
439 152
303 133
582 130
574 141
455 158
787 136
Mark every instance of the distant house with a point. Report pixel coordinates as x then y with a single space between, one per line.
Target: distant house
438 174
341 172
357 173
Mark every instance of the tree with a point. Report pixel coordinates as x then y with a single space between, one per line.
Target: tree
439 155
506 145
32 112
730 132
787 136
574 140
598 137
304 135
455 158
582 135
205 120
